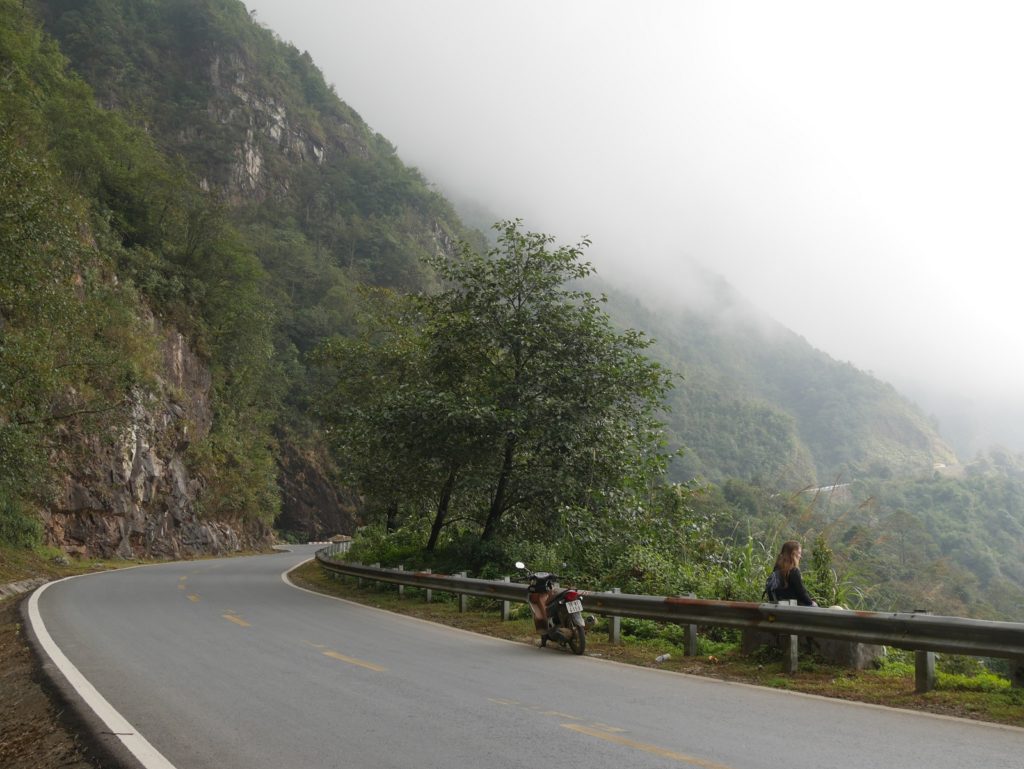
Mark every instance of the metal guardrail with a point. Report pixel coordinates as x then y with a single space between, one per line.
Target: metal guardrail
450 583
338 545
915 631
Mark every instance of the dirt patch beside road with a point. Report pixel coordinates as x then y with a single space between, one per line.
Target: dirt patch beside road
32 733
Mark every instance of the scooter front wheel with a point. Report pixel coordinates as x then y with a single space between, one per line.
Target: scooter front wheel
578 641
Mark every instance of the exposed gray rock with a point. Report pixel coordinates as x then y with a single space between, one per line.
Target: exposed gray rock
134 495
857 656
310 504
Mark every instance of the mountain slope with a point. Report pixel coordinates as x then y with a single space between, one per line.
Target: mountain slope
323 202
114 431
758 402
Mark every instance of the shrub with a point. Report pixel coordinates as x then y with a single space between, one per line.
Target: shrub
959 664
18 526
983 682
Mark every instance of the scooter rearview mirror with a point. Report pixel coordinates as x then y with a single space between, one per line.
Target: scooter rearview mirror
520 565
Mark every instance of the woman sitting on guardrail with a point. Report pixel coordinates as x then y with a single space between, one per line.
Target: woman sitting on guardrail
787 565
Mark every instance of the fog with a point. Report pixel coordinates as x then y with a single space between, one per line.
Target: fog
855 170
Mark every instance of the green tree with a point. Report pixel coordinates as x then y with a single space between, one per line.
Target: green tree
573 402
399 437
507 388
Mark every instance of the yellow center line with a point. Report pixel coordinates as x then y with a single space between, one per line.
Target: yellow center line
354 661
556 714
193 598
607 728
654 749
237 620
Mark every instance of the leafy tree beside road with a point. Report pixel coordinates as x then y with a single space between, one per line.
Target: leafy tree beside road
508 389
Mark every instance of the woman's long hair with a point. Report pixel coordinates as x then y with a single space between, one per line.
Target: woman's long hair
787 560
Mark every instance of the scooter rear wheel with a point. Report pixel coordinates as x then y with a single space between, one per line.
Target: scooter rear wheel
578 641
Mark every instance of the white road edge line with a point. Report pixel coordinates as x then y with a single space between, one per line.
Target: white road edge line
148 756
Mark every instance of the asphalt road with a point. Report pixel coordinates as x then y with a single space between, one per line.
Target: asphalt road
222 664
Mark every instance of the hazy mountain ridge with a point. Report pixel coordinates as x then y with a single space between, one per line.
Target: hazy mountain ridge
759 402
911 525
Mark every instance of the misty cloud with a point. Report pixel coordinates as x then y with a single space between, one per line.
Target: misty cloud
851 169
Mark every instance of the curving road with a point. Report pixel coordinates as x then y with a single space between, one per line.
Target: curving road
224 665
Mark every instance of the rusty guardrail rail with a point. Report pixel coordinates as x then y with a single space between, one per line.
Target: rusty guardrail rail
914 631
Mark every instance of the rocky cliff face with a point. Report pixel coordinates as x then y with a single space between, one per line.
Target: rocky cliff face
131 494
258 127
311 505
264 134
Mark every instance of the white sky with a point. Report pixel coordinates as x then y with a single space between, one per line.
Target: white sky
855 169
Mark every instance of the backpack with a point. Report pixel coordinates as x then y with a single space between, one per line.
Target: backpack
771 586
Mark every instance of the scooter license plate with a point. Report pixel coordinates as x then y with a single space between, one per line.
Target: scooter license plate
574 607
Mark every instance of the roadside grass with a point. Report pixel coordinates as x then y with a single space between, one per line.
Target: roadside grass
983 697
18 563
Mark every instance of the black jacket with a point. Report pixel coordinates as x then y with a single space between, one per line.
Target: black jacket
795 589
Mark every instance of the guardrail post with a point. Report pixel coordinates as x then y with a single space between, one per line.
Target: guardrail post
924 667
790 646
924 671
428 591
1017 673
463 598
335 576
790 653
376 582
690 638
401 587
615 625
505 613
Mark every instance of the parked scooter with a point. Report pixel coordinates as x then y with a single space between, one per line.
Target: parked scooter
557 611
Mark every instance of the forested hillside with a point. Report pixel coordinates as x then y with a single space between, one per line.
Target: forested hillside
760 403
227 305
138 371
319 199
225 194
